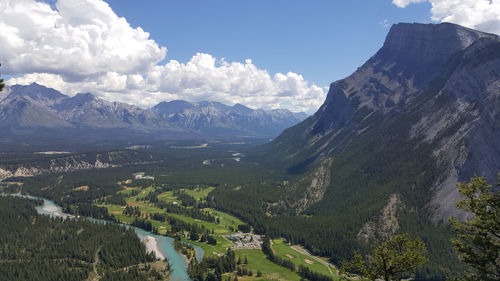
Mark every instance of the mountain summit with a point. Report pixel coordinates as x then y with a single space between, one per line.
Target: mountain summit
419 116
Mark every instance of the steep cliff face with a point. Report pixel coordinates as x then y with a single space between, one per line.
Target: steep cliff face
472 121
423 113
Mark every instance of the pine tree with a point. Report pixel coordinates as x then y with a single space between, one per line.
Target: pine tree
478 239
391 260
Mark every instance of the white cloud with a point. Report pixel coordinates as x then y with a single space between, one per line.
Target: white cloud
79 39
404 3
202 78
83 46
482 15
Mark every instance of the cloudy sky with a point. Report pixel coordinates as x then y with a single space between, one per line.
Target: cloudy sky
261 53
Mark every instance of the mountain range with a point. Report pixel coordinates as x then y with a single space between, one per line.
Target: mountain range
34 111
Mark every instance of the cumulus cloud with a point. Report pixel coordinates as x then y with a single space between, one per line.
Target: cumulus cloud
83 46
404 3
202 78
482 15
79 39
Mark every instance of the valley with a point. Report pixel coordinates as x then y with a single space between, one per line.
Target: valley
368 187
172 197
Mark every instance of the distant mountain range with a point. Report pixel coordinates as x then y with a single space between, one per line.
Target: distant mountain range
217 118
31 112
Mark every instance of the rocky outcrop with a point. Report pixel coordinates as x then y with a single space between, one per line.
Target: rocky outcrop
304 192
386 224
4 173
76 162
68 165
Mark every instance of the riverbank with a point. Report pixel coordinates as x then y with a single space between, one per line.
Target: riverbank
162 246
152 246
54 211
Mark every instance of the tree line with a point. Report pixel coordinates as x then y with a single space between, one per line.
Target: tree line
212 268
37 247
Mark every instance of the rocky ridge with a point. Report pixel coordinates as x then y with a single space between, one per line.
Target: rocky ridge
431 92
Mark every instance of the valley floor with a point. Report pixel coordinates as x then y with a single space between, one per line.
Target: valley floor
224 228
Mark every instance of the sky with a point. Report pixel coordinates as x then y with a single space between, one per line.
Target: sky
261 53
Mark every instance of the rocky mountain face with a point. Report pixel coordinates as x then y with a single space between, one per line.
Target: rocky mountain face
419 116
86 110
21 112
28 111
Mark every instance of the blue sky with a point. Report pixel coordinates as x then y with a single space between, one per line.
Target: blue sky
260 53
322 40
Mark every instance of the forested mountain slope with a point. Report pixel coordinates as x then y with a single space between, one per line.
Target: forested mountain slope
383 153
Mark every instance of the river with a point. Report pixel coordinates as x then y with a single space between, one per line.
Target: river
165 244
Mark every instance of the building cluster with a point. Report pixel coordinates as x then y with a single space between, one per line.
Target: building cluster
245 240
142 176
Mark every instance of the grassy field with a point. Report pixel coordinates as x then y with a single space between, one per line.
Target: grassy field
256 258
227 222
285 251
148 208
258 261
168 197
199 193
226 219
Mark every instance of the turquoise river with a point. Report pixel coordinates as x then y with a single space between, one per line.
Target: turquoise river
165 244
